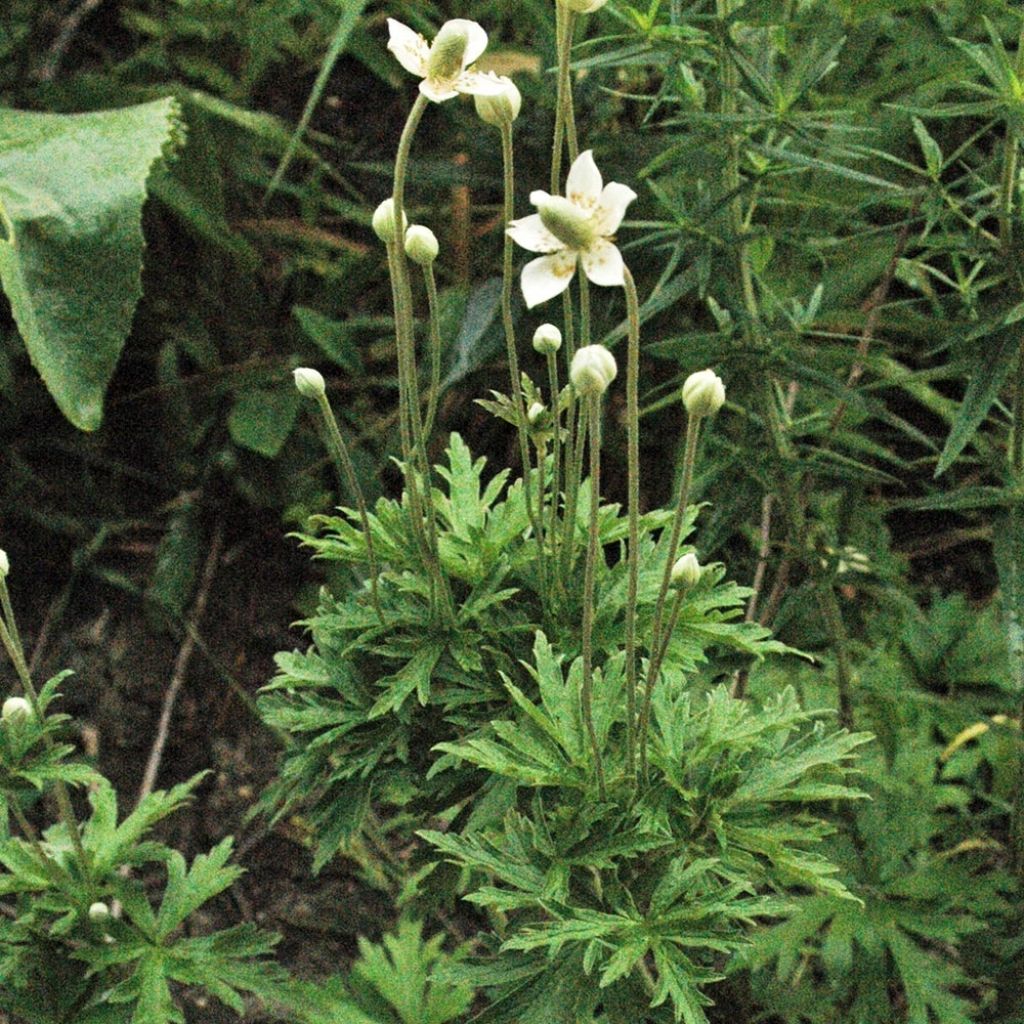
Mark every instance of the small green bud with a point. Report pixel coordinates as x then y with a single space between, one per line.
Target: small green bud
16 709
686 572
99 911
593 369
448 51
310 383
547 339
5 564
534 413
703 393
583 6
421 245
566 221
500 110
384 221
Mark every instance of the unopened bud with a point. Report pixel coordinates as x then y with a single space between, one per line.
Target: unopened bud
593 369
5 564
534 413
703 393
547 339
16 709
310 383
421 245
583 6
686 572
565 220
502 108
98 911
448 50
384 221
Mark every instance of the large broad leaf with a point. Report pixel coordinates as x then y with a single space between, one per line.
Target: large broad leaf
71 193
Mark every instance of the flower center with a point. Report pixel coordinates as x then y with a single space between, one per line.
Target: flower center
567 222
447 52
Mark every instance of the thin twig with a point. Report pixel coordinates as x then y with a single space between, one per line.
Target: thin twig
181 666
49 68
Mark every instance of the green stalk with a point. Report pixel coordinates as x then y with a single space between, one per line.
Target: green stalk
347 473
586 697
689 460
563 40
574 473
12 643
508 164
633 511
556 484
435 348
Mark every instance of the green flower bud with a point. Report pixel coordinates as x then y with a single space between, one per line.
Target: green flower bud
583 6
534 413
384 221
500 110
703 393
567 222
310 383
447 51
99 911
547 339
15 709
593 369
421 245
686 572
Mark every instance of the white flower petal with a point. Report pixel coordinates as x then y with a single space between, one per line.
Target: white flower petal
438 91
477 39
538 196
612 207
530 233
410 48
475 83
602 263
547 277
583 185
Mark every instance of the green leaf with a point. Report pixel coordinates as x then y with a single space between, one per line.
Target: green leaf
71 193
332 337
982 391
262 419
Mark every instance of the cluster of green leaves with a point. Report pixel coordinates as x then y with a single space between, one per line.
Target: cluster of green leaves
91 935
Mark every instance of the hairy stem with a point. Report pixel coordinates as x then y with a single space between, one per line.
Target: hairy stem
586 697
556 482
435 348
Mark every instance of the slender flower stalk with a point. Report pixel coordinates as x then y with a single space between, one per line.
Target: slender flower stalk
433 312
593 405
11 641
633 510
556 469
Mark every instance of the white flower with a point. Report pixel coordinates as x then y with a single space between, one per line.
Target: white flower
501 109
593 369
571 228
703 393
444 65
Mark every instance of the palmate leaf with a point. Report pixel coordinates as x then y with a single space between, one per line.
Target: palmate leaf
71 193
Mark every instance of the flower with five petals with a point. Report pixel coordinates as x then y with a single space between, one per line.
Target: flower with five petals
576 227
444 65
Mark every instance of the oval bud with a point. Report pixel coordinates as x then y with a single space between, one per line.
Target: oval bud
5 564
547 339
566 221
310 383
703 393
593 369
583 6
421 245
384 221
448 51
501 109
686 572
16 709
98 911
534 413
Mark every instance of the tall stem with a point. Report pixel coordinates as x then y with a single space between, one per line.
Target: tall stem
347 473
11 641
633 510
508 164
556 483
586 697
433 313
